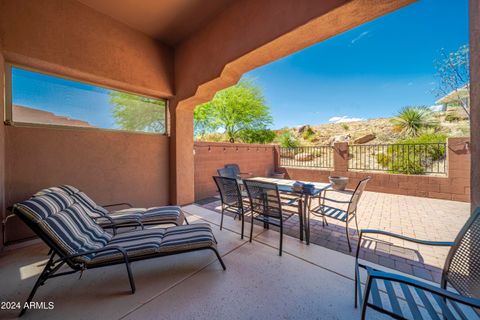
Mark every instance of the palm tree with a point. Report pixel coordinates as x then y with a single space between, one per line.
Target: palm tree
412 120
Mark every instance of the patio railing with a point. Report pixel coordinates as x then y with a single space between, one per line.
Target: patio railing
425 158
313 157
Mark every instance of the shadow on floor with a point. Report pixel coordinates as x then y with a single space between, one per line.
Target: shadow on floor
333 236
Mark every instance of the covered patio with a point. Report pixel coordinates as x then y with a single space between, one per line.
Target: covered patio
307 282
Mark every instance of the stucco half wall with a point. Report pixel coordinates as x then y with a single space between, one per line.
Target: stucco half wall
111 167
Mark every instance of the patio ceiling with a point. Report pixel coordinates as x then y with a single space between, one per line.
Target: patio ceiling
170 21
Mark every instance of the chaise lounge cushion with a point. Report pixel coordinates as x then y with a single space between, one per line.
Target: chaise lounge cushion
126 217
65 223
136 243
187 237
158 241
165 214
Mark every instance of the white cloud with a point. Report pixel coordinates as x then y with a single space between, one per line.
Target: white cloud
344 119
360 36
436 108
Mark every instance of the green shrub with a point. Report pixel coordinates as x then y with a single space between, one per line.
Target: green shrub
382 159
345 127
452 117
415 155
437 152
257 136
288 140
308 133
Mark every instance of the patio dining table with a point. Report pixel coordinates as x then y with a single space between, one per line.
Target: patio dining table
285 186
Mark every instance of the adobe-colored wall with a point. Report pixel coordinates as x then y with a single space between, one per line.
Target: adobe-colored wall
455 186
2 146
68 38
111 167
210 156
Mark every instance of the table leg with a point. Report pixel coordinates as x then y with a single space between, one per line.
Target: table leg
300 217
306 219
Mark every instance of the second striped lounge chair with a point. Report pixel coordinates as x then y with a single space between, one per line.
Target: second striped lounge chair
131 217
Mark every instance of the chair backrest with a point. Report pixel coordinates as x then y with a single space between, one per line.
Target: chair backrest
90 207
264 198
226 172
62 223
462 267
357 194
235 168
229 191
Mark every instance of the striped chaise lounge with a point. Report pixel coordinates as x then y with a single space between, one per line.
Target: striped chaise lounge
78 242
172 215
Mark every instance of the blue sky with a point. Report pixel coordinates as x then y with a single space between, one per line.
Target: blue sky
368 72
62 97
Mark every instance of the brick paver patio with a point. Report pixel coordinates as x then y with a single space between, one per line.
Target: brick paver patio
422 218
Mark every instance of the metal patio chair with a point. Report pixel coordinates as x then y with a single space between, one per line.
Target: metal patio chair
227 172
324 210
458 296
232 199
236 170
266 206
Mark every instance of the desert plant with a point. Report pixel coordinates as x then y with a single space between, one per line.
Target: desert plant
451 117
288 140
435 151
345 127
410 121
415 155
257 136
308 133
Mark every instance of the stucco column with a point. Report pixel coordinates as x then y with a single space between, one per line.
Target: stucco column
2 144
182 190
340 158
475 100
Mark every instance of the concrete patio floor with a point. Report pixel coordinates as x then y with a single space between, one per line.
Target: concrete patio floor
421 218
307 282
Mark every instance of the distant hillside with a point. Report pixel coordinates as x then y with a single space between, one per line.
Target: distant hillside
381 129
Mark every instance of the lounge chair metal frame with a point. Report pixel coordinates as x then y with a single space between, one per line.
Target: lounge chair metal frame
53 265
462 295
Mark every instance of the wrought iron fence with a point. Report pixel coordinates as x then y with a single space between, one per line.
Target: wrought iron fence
425 158
314 157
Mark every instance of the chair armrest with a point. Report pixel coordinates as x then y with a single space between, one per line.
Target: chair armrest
112 248
350 192
329 199
399 236
118 204
375 274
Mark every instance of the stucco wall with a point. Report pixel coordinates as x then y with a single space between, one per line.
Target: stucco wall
69 38
111 167
2 145
210 156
